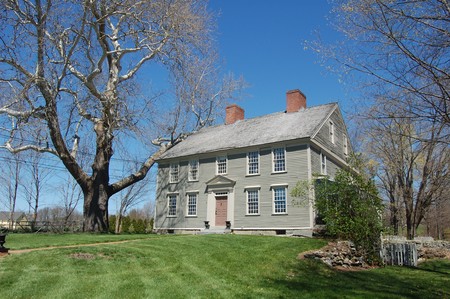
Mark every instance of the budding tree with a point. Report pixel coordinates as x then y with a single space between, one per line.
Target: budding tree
412 167
82 70
398 50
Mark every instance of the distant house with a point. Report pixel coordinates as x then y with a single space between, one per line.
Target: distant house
239 175
19 217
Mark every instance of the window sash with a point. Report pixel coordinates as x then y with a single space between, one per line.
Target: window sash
332 132
221 165
345 142
279 160
279 200
252 202
193 170
172 210
253 163
323 164
174 173
192 204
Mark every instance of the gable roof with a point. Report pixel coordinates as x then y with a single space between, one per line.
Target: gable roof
257 131
4 215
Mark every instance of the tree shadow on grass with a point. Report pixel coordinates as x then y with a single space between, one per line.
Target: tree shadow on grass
313 279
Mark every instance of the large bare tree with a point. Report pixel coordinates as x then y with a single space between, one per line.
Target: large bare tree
400 50
72 70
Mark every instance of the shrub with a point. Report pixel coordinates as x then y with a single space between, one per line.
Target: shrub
351 208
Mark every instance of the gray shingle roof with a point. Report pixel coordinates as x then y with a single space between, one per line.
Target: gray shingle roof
266 129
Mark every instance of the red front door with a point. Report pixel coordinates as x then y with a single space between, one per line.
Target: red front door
221 210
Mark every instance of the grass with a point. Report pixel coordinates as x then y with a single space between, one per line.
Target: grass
208 266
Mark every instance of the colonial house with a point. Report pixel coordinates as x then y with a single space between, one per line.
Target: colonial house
238 176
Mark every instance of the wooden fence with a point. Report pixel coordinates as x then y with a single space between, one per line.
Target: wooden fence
50 226
399 253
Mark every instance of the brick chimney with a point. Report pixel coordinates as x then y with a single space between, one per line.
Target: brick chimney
295 100
233 114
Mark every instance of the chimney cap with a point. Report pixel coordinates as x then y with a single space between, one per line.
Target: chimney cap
295 91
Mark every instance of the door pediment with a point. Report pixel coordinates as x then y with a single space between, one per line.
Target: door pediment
220 181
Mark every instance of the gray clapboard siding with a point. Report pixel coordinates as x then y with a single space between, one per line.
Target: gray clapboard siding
323 136
297 169
332 166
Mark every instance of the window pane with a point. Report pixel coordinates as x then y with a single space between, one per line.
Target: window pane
331 131
253 162
172 205
192 204
174 171
279 163
345 145
221 165
193 170
279 200
323 164
252 201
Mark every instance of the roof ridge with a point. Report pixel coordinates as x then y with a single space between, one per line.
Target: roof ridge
264 129
262 116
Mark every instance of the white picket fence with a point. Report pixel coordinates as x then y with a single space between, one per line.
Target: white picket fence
399 253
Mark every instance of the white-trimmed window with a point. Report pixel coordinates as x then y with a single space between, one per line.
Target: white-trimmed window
221 165
172 205
331 124
192 204
279 200
345 145
323 163
279 159
252 201
174 173
253 162
193 170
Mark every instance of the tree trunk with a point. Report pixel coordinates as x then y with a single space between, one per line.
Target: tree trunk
95 209
394 216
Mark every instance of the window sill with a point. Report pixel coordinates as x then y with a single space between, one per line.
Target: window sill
250 215
278 172
252 174
190 216
279 214
171 216
192 181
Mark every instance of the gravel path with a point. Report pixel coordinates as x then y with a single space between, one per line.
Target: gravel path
19 251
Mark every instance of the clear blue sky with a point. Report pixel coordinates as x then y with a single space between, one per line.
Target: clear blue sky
264 42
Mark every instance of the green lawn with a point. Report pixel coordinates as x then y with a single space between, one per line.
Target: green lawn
207 266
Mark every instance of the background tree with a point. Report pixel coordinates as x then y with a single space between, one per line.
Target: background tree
71 196
398 54
81 70
412 167
34 182
400 50
10 182
130 197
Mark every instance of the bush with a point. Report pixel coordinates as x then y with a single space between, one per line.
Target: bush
351 208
